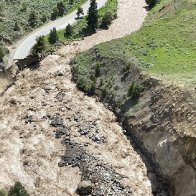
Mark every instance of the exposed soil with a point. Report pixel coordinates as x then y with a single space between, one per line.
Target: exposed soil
45 100
30 112
161 123
53 136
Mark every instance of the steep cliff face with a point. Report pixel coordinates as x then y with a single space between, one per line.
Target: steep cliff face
160 123
165 127
158 59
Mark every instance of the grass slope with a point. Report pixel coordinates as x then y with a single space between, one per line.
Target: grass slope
165 45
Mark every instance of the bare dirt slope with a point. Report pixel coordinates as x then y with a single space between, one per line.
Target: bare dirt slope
29 151
45 100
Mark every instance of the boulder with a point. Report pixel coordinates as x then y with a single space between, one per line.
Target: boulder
85 188
56 121
61 132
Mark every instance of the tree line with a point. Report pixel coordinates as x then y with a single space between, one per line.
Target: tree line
92 26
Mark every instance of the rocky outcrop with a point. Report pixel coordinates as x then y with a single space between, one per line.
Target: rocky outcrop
85 188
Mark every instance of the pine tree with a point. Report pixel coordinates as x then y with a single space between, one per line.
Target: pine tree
54 14
151 3
61 8
92 18
68 31
53 36
39 47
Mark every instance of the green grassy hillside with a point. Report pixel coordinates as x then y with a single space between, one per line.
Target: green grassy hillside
164 47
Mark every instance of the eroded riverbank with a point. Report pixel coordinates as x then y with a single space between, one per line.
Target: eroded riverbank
30 152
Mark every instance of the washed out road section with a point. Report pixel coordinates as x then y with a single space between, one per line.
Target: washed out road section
24 46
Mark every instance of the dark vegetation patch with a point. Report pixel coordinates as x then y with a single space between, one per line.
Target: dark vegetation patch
16 190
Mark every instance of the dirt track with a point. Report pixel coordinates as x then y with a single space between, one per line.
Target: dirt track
29 150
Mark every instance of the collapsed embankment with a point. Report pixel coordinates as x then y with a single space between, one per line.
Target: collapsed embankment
43 106
160 123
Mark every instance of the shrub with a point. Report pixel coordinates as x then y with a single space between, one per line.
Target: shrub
1 54
2 193
32 19
16 27
135 90
151 3
126 67
17 190
106 20
44 18
86 85
24 7
97 70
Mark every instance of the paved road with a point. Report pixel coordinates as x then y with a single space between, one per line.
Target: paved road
24 46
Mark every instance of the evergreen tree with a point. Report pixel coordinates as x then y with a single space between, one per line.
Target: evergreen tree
151 3
61 8
80 11
54 14
68 31
32 19
106 20
17 190
92 18
53 36
39 47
